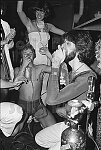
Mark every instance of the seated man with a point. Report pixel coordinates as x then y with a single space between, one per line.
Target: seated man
79 52
30 93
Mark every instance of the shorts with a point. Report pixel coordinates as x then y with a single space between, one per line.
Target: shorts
35 108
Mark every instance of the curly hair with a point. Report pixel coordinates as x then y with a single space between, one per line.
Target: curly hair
84 45
41 5
70 36
26 47
98 51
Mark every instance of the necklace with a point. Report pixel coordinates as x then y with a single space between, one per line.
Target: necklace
42 27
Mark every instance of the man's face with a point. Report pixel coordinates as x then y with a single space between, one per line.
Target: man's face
28 54
40 15
68 47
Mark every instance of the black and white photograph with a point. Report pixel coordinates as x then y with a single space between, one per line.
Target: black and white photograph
50 75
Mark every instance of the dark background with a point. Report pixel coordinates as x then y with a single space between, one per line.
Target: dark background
64 11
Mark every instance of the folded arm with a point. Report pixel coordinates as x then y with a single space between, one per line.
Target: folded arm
71 91
78 87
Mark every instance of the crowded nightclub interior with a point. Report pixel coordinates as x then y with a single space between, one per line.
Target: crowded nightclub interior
50 69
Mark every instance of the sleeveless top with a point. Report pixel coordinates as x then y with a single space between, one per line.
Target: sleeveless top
38 39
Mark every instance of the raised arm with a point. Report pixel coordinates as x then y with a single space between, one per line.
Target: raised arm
19 73
71 91
21 13
54 29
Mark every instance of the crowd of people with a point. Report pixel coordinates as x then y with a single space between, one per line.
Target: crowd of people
39 72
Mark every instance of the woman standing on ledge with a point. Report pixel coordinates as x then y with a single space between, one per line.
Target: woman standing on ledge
38 30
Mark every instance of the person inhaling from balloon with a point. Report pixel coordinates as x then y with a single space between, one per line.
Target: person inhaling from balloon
77 49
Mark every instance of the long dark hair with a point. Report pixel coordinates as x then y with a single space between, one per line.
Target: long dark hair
84 45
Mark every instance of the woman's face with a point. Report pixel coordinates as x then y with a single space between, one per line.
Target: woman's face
40 15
